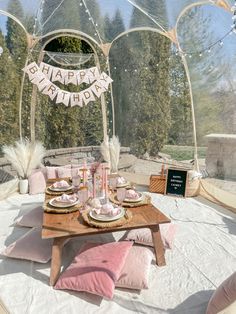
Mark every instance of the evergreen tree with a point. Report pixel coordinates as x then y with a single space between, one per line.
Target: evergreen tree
117 25
9 93
140 66
107 28
16 37
181 130
60 126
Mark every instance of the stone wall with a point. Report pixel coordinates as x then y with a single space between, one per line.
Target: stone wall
63 156
221 155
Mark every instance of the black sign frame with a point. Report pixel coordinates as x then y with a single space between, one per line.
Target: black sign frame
176 182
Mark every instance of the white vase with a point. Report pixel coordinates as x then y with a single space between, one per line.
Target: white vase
24 185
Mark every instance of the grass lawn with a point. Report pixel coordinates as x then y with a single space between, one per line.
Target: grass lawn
183 152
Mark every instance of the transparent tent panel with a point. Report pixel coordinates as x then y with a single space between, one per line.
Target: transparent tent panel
144 77
210 55
58 126
96 18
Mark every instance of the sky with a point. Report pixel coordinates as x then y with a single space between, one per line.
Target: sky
109 7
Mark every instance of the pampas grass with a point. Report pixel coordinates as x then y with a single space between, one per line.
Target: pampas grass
114 147
24 156
104 149
110 151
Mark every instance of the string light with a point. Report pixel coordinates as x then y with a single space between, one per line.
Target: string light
219 41
95 25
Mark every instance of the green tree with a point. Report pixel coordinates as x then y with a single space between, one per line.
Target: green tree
9 93
140 69
16 37
60 126
181 130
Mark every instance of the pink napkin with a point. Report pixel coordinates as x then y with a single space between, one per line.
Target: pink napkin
132 194
61 184
107 209
120 180
64 198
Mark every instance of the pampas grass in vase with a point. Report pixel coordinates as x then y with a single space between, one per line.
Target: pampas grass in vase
105 152
25 156
114 148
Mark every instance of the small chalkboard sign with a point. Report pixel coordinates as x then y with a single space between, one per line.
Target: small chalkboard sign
176 182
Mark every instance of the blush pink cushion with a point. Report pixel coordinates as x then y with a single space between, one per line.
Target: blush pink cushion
144 236
63 172
37 183
231 309
30 247
51 172
95 268
224 296
135 272
34 218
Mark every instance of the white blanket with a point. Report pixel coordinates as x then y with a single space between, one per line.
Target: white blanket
204 254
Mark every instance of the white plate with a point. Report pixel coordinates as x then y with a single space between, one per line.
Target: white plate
131 200
101 217
54 203
60 189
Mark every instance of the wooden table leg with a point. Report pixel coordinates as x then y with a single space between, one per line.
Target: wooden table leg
158 246
58 244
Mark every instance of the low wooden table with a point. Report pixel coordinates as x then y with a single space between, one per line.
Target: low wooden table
62 227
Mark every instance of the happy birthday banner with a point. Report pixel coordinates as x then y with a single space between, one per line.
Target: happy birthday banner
44 75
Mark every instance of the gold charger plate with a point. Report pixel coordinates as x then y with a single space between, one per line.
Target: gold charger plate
109 224
145 201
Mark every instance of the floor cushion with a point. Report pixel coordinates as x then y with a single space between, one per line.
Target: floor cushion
144 236
223 296
135 273
34 218
96 268
30 247
37 183
51 172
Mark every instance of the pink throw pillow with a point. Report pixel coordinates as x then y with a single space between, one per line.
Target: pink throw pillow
224 296
37 183
31 247
63 172
144 236
32 219
51 172
135 272
96 268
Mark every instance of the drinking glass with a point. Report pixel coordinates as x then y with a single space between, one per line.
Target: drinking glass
112 184
76 179
83 196
121 192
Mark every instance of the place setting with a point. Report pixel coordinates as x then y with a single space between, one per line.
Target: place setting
129 197
60 187
101 213
63 204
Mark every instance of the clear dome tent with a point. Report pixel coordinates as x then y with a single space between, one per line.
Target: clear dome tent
172 65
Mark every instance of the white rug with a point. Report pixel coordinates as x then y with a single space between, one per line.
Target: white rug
204 254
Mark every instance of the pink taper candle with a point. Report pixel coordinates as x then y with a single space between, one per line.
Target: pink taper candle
105 181
94 185
85 172
103 178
